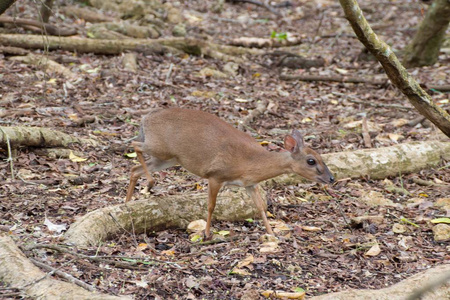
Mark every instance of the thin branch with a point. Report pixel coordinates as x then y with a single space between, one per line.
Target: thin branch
62 274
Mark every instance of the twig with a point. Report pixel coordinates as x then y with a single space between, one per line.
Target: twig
335 78
257 3
62 274
365 134
117 264
169 73
396 106
440 88
9 159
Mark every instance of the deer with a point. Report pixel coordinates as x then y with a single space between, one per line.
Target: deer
211 148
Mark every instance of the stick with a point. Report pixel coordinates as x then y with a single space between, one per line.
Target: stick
335 78
365 134
257 3
62 274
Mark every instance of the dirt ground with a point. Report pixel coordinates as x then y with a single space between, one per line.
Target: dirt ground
169 265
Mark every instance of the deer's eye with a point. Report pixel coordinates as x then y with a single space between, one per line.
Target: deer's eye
311 161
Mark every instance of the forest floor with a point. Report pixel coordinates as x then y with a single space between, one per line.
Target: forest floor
319 262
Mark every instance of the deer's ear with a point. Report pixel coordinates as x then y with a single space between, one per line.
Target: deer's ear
298 138
290 144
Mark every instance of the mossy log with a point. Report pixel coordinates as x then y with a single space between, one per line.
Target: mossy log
383 162
157 213
39 137
17 271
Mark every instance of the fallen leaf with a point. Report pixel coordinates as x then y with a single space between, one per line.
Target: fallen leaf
374 250
142 246
75 158
245 262
131 155
441 220
196 226
311 228
398 228
54 227
241 272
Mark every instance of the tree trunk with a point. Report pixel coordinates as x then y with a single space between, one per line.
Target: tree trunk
46 10
424 48
394 69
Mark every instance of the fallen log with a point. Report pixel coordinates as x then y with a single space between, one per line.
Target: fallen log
39 137
383 162
99 46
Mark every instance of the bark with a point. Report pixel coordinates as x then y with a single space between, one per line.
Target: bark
18 272
400 290
157 213
46 10
383 162
39 137
424 48
394 69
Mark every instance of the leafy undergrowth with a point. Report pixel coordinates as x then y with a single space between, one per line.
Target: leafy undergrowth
321 252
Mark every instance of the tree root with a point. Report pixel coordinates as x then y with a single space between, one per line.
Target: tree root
18 272
157 213
400 290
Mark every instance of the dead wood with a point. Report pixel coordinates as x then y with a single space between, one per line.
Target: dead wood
383 162
87 14
129 62
40 26
159 46
400 290
259 3
255 42
398 75
335 78
13 51
18 272
107 30
441 88
39 137
157 213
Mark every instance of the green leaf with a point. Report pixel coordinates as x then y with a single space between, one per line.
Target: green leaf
441 220
299 290
196 238
405 220
250 220
129 260
131 155
223 232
